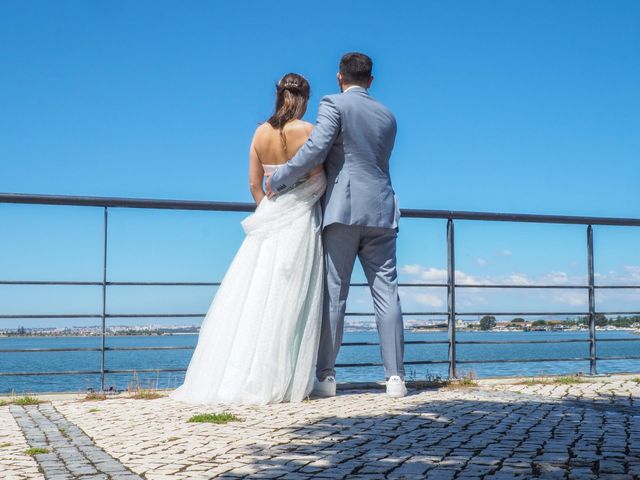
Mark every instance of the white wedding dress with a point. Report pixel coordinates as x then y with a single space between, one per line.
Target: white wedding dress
259 340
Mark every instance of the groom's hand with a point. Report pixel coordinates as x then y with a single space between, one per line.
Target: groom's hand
267 182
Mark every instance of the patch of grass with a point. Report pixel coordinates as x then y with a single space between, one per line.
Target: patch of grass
565 380
4 403
461 383
35 451
27 400
94 410
64 432
139 391
530 382
637 380
5 444
569 380
94 397
467 380
145 394
218 418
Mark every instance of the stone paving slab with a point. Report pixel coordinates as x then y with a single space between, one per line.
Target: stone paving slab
492 431
68 452
15 464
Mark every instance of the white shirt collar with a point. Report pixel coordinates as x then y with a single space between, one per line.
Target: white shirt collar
352 86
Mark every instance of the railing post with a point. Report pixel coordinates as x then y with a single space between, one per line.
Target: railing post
451 298
104 301
592 303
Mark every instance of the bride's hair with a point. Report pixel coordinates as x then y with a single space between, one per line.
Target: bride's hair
292 94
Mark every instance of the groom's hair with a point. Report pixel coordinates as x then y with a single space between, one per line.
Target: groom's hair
356 68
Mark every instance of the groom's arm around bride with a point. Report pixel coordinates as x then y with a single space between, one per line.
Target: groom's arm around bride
313 152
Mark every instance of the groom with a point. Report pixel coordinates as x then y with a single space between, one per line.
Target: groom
354 137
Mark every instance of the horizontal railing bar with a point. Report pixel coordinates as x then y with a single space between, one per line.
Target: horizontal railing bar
170 315
533 287
526 360
404 284
109 284
348 314
47 282
52 315
407 342
90 201
416 362
86 201
617 286
90 372
154 315
528 314
217 284
126 349
634 357
521 342
38 350
340 365
147 370
61 372
600 339
346 344
617 313
410 342
163 284
371 314
519 217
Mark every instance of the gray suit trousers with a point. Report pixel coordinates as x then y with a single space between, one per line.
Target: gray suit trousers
376 249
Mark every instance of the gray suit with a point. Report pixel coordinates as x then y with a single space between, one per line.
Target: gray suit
354 137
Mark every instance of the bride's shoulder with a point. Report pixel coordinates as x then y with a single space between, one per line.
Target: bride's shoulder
263 128
299 126
262 132
307 126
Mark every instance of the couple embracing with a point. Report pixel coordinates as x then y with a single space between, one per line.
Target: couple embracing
324 196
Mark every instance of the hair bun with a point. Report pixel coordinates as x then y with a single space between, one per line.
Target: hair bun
291 86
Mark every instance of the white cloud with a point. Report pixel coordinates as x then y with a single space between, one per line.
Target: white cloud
573 298
428 299
411 269
556 278
516 279
506 253
481 261
632 271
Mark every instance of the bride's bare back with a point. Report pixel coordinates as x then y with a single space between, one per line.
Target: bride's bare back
267 148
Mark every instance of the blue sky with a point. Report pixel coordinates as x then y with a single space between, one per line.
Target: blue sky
502 106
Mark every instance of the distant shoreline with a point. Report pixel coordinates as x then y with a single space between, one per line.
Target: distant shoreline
97 336
598 329
409 330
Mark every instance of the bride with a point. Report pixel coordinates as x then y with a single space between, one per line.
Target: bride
259 340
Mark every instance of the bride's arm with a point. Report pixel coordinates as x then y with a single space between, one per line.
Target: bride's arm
256 174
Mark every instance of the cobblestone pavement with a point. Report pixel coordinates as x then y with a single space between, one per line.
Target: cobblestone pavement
492 431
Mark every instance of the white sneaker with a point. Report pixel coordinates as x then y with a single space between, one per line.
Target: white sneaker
325 388
396 387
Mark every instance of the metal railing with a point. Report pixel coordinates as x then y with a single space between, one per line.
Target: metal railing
107 203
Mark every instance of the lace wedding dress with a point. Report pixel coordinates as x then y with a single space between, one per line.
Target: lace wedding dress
259 340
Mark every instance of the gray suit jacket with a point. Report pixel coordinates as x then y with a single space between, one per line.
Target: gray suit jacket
354 137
